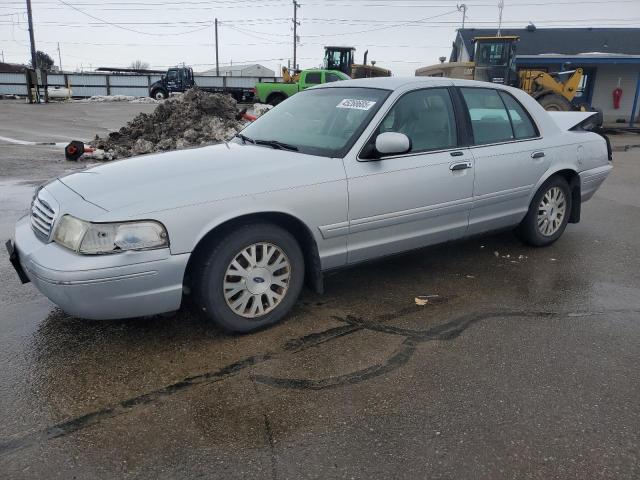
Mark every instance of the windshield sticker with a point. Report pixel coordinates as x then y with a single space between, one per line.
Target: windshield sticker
357 104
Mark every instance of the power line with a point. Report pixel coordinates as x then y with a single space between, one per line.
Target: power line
126 28
126 7
401 24
156 3
212 44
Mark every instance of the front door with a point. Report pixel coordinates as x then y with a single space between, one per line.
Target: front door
422 197
509 158
174 83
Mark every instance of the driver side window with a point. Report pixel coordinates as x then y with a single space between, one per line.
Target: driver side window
426 117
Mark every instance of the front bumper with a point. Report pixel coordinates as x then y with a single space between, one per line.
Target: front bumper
100 287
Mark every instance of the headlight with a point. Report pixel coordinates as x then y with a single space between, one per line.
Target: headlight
95 238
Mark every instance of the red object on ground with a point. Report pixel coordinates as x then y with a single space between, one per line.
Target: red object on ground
617 95
75 149
248 116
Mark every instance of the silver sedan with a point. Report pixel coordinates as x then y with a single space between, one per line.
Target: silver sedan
336 175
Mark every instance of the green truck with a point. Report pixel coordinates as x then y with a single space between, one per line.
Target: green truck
275 92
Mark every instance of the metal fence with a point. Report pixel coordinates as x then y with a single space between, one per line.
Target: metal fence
135 85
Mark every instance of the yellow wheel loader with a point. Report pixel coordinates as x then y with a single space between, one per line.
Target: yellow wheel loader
494 61
343 59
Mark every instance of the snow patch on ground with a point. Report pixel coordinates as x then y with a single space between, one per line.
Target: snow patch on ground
118 98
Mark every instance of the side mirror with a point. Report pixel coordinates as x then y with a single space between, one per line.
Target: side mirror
390 143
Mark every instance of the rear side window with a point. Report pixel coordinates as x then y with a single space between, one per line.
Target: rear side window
489 118
426 117
523 126
313 78
332 77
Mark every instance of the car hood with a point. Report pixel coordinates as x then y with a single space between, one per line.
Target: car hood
179 178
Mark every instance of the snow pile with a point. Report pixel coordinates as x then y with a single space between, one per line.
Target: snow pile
193 119
261 108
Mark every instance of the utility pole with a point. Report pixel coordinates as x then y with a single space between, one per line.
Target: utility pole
462 8
2 52
500 8
34 60
296 5
217 64
59 57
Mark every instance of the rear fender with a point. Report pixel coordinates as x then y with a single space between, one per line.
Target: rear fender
569 173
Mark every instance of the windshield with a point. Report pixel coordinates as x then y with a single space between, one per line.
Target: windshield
324 121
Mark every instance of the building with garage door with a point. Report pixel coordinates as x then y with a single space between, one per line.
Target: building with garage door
609 57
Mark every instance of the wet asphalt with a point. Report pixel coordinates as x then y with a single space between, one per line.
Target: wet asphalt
522 364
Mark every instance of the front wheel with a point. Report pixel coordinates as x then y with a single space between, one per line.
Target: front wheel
250 278
548 213
159 94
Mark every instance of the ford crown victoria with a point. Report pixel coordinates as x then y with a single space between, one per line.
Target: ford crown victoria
338 174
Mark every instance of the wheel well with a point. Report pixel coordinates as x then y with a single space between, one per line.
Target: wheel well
273 95
302 234
573 179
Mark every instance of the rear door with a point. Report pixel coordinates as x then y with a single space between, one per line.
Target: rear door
311 78
509 158
422 197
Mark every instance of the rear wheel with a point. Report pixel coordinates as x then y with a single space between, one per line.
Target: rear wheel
548 213
250 278
276 98
555 103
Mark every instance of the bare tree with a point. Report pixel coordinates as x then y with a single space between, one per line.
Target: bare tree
45 62
139 65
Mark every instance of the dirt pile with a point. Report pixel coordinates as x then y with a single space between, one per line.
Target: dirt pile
192 119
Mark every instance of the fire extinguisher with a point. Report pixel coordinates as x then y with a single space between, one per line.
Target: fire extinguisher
617 95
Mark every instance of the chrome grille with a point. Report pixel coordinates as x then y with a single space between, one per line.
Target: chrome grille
42 217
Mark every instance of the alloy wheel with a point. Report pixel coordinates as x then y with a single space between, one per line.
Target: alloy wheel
551 211
257 280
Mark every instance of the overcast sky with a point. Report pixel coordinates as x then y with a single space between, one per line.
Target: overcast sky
401 35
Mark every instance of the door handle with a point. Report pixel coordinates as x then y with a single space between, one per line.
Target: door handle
459 166
457 154
537 155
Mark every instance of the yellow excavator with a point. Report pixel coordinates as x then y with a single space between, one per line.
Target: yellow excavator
290 76
494 61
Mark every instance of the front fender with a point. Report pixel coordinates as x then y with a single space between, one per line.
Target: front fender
314 206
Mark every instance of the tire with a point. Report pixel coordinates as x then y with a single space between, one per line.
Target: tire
553 195
222 296
276 98
555 103
159 94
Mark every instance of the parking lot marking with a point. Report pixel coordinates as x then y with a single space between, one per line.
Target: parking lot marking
25 142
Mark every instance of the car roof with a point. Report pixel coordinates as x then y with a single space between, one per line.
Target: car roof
388 83
401 83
